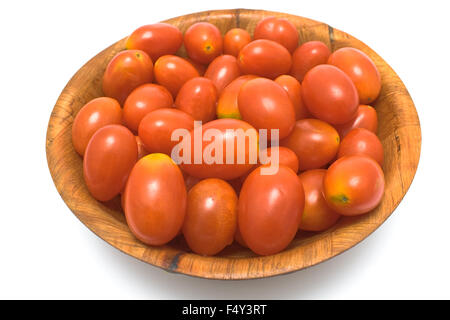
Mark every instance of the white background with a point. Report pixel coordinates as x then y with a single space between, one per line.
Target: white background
45 252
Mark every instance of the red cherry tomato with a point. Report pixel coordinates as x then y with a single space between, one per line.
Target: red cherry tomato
235 39
234 168
353 185
366 117
278 29
307 56
172 72
266 105
314 142
330 95
125 72
222 71
211 216
286 157
198 98
361 69
108 160
142 152
156 40
156 129
155 199
270 209
227 106
317 215
143 100
203 42
264 58
94 115
294 90
361 141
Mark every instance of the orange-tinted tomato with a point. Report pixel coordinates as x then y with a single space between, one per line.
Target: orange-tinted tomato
266 105
222 71
108 160
94 115
227 106
241 157
126 71
142 152
317 215
172 72
234 40
156 129
198 98
361 69
203 42
307 56
286 157
353 185
143 100
270 209
361 141
294 90
155 199
264 58
156 39
211 216
278 29
330 95
314 142
366 117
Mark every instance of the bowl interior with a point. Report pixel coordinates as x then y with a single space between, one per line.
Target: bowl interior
399 132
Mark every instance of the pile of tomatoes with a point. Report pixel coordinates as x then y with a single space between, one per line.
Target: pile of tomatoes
330 158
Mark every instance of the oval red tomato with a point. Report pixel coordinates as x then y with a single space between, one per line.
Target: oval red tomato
155 199
361 141
126 71
108 160
270 209
156 39
366 117
264 58
307 56
94 115
294 90
222 70
278 29
235 39
227 106
203 42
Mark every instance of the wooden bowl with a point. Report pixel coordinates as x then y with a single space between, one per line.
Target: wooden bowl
399 131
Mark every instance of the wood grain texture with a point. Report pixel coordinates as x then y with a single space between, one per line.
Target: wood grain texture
399 131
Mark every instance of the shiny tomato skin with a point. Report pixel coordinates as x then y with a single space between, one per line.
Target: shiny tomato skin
366 117
286 157
156 39
353 185
270 210
307 56
94 115
142 152
317 215
222 70
234 40
155 199
155 130
126 71
108 160
224 170
264 58
211 216
198 97
266 105
142 100
294 90
330 95
172 72
361 141
361 69
279 30
227 105
203 42
315 143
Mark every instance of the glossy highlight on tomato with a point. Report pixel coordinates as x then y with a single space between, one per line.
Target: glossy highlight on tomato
222 70
307 56
361 141
203 42
234 40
